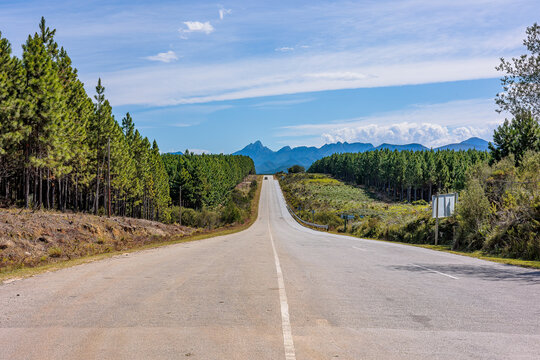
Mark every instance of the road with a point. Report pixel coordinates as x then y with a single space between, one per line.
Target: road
275 291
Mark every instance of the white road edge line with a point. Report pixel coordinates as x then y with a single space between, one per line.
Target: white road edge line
357 248
435 271
285 321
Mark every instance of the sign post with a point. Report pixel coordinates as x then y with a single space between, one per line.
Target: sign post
437 220
346 217
443 206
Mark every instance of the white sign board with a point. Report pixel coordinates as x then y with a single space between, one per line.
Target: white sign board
444 205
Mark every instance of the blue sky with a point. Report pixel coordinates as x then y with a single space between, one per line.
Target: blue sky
215 76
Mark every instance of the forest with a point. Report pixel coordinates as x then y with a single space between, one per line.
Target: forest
61 149
405 175
205 180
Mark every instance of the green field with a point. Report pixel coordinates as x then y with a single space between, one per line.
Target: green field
322 193
374 216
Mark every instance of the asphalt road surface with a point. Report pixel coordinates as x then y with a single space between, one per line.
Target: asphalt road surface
275 291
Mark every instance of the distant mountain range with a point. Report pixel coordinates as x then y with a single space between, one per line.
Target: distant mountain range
268 161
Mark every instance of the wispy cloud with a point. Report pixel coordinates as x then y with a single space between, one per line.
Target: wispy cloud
165 57
282 103
190 84
284 49
181 125
196 26
223 12
429 124
340 75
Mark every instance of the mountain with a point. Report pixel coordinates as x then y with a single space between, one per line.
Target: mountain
472 143
268 161
412 147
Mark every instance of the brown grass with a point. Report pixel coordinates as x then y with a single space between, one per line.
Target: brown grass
101 246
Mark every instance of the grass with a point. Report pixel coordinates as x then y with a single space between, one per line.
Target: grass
25 272
324 194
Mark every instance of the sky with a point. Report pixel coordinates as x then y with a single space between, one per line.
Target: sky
215 76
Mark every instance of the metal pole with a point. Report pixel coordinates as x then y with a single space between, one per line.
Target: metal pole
436 219
109 176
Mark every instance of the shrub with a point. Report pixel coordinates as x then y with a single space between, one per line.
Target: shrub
328 218
231 214
295 169
189 217
472 212
55 252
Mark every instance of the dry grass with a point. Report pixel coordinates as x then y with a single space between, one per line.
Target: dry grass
60 260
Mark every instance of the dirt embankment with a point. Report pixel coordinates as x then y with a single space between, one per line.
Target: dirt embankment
30 238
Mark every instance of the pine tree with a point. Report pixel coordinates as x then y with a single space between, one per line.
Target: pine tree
42 105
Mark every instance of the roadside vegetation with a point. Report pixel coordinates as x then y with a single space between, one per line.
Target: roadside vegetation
498 212
37 241
322 199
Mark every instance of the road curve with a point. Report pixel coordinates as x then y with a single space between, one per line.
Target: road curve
275 291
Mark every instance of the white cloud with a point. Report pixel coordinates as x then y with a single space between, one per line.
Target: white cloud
343 75
200 151
285 49
165 57
223 12
181 125
197 26
280 103
428 134
431 125
189 84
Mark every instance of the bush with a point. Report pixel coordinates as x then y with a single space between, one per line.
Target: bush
231 214
517 236
189 217
328 218
55 252
166 215
295 169
472 212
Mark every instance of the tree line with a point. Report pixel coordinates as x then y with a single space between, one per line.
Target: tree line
205 180
56 142
410 175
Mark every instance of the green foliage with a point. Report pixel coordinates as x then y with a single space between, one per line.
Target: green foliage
403 175
231 214
206 180
54 141
499 212
330 197
521 84
516 137
295 169
472 213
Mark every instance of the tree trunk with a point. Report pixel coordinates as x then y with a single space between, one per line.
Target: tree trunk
48 197
40 188
96 199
